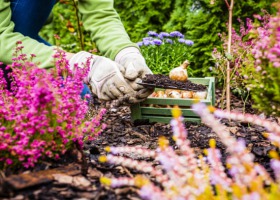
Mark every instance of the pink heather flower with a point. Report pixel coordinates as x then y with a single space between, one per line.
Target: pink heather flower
87 96
44 109
9 161
252 196
275 165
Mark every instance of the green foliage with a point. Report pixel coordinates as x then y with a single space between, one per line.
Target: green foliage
266 90
64 23
197 19
202 22
140 16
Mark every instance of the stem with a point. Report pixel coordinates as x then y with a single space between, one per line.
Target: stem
244 102
80 34
227 4
229 52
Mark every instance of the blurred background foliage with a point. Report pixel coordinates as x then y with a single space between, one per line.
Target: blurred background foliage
198 20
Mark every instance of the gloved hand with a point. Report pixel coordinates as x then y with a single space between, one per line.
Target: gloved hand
104 77
134 68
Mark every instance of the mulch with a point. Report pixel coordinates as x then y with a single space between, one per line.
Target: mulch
76 175
163 81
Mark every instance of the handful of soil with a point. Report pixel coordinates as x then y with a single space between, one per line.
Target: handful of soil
163 81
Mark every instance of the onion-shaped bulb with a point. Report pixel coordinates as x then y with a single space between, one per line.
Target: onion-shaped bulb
180 73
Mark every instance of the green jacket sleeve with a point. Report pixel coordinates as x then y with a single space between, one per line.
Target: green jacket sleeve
8 39
106 29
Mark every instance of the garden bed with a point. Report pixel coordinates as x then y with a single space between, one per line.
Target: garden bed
120 132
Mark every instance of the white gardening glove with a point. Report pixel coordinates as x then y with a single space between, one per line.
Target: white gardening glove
134 68
104 77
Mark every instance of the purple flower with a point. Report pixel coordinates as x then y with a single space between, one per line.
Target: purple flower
148 38
189 42
146 42
151 43
140 44
157 42
162 35
176 34
152 33
181 40
169 41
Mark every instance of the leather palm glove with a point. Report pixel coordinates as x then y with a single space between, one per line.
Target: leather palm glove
134 68
104 77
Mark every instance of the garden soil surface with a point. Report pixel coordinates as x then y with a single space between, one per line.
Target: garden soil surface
163 81
76 175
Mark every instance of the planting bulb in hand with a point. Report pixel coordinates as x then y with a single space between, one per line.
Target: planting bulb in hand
180 73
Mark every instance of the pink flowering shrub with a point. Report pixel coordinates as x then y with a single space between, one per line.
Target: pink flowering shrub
240 58
264 84
255 61
184 175
43 115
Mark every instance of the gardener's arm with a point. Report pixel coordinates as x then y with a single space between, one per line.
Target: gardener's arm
8 39
107 31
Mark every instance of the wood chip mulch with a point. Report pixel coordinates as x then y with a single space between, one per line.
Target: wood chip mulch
76 176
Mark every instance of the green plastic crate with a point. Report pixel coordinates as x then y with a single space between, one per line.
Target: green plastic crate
141 111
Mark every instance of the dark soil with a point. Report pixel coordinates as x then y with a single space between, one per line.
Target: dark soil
80 175
163 81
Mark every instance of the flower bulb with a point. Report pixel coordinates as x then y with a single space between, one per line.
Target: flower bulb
180 73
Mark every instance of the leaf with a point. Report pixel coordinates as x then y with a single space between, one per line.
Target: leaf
229 56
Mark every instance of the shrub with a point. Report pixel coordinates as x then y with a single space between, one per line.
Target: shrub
43 115
241 59
254 62
165 51
64 22
202 21
139 16
183 175
264 84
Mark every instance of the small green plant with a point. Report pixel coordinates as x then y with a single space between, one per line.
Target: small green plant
165 51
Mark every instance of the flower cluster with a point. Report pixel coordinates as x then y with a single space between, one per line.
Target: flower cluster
164 51
184 175
164 38
267 48
43 114
241 58
264 85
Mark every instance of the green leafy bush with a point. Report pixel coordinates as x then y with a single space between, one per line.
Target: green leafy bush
202 21
140 16
64 23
